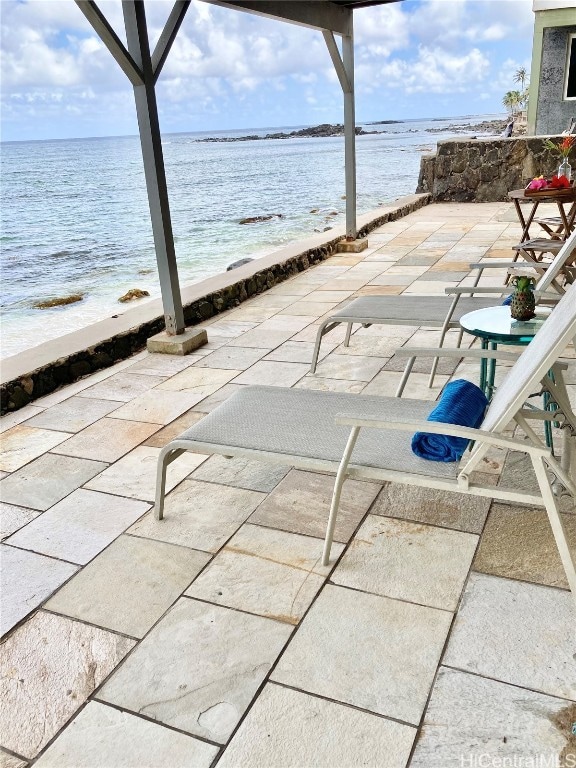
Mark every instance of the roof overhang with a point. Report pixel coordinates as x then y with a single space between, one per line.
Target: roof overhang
330 15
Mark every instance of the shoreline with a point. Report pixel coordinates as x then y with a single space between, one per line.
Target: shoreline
42 369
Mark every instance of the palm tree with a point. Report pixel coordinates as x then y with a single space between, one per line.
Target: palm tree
521 76
512 101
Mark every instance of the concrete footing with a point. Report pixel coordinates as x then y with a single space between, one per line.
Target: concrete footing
182 344
352 246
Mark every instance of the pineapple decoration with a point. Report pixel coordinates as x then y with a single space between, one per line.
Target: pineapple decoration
523 301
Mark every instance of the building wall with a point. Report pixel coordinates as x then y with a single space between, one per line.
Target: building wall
553 112
548 112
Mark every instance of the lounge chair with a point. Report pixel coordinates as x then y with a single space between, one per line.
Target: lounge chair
435 311
369 437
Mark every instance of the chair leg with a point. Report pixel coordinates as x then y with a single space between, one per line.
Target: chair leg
326 326
444 331
167 455
348 334
556 523
340 478
405 375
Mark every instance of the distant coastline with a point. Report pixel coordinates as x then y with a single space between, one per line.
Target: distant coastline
329 130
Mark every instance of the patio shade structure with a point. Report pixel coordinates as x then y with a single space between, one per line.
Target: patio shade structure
143 67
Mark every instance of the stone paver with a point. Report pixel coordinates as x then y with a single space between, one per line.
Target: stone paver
292 729
22 444
386 384
300 503
311 381
130 585
204 692
47 480
408 561
452 510
298 352
12 518
80 526
73 414
134 475
107 439
518 544
49 666
241 473
518 633
213 401
200 381
27 580
123 386
234 358
369 651
200 515
158 406
9 761
103 737
264 571
350 367
273 374
174 429
471 719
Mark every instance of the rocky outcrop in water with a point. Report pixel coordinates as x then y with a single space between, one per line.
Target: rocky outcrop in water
59 301
239 263
257 219
491 127
133 293
324 131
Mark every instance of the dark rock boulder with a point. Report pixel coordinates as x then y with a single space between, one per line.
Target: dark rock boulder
239 263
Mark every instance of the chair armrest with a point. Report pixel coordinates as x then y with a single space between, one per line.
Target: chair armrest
456 352
462 289
440 428
494 264
477 354
493 290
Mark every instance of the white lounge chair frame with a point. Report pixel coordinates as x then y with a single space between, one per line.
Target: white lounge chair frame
239 427
438 311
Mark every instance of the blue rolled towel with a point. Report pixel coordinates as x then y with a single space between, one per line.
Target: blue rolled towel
507 301
461 403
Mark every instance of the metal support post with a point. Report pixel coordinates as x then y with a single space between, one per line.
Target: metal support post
147 113
344 66
350 135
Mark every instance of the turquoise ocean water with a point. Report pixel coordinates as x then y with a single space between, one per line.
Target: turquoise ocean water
75 214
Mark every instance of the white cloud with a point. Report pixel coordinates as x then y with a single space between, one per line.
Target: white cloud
50 55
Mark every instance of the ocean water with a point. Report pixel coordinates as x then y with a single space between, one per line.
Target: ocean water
75 216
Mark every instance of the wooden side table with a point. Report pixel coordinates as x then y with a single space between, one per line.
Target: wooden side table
560 197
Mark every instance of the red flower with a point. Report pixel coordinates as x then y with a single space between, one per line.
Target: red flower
559 182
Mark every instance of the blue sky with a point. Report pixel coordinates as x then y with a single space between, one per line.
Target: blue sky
417 58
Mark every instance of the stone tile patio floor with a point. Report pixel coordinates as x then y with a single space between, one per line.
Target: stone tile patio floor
442 634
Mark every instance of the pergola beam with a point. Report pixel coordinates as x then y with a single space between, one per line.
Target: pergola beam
111 40
168 36
316 15
337 61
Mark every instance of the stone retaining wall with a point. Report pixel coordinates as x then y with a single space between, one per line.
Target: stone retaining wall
484 170
23 390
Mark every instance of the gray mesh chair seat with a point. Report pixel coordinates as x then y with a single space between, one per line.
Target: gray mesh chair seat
434 311
299 424
409 310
